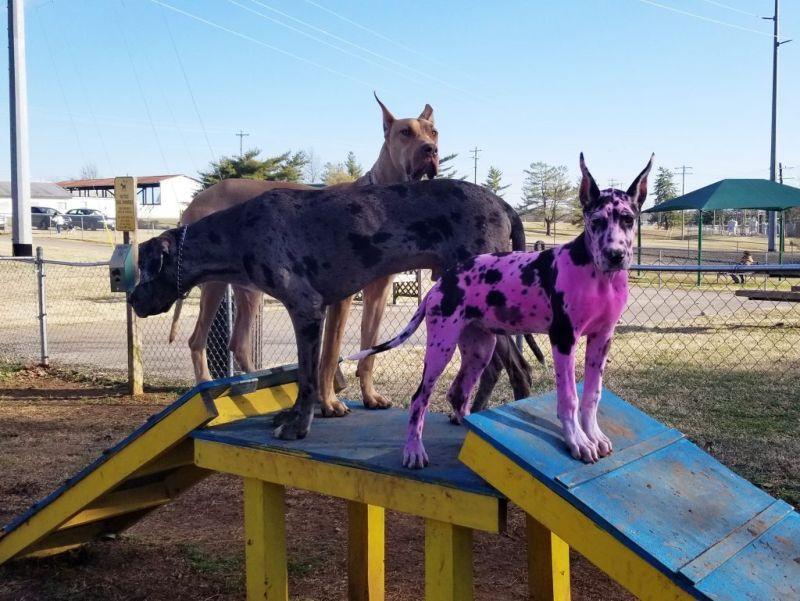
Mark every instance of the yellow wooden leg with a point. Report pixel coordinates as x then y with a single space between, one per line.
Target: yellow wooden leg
265 535
548 564
365 552
448 562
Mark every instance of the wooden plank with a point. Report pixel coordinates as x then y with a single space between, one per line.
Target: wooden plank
448 562
120 503
180 456
481 512
142 447
548 564
265 536
365 552
232 407
722 551
584 473
770 295
570 524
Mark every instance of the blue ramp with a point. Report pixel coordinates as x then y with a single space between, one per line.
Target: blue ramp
659 513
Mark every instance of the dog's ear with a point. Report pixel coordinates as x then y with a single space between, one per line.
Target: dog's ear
638 189
589 193
388 118
427 113
152 252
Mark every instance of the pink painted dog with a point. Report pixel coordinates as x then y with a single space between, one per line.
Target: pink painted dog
577 289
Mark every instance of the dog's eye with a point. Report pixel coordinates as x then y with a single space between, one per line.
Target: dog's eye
406 131
435 132
627 220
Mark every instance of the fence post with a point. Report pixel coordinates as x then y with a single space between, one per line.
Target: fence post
40 289
418 275
134 341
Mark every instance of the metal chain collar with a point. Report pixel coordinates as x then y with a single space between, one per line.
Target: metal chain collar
178 284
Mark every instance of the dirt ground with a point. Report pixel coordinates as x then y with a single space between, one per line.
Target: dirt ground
52 424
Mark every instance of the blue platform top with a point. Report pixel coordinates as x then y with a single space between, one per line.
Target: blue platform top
260 379
366 439
660 495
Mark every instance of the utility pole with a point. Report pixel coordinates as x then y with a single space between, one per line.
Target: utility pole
612 183
684 170
242 135
781 168
22 239
771 216
474 157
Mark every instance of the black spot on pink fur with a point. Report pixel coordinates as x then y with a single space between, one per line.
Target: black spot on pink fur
452 293
495 298
492 276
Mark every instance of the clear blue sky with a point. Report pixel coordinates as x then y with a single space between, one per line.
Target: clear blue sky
524 81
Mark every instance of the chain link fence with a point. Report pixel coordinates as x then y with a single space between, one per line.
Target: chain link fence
675 320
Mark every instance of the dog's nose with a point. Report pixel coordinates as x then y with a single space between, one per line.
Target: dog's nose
430 149
614 256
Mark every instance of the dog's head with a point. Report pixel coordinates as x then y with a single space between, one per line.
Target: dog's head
609 217
157 289
413 144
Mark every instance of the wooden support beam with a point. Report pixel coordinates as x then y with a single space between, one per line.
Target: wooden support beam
448 562
265 538
548 564
365 552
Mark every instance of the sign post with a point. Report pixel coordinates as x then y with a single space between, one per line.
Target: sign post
125 199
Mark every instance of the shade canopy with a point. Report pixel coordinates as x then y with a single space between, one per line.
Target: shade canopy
760 194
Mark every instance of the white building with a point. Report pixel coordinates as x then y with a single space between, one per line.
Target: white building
162 198
43 194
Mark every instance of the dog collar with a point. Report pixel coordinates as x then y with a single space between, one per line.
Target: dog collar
178 285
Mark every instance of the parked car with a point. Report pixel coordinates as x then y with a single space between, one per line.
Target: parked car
90 219
42 218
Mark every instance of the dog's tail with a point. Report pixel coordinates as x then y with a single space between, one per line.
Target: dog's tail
400 338
537 352
176 314
517 229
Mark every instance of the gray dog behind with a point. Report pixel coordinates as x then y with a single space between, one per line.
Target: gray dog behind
311 248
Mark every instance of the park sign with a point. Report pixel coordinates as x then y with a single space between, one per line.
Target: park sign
125 196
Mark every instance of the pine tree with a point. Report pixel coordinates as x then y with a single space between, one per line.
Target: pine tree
286 167
352 166
446 169
494 181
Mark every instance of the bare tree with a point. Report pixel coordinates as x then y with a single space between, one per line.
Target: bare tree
313 168
546 191
89 171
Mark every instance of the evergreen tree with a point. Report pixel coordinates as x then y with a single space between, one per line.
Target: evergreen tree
352 166
546 191
286 167
494 181
446 169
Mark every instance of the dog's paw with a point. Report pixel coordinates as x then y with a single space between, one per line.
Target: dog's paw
291 427
335 408
580 446
282 417
455 419
603 442
414 455
375 400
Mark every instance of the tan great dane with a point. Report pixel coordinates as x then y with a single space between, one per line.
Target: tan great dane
409 152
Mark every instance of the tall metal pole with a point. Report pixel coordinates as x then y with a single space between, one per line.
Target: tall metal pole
474 157
22 238
776 43
242 136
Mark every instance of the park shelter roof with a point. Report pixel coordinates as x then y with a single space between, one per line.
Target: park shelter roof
760 194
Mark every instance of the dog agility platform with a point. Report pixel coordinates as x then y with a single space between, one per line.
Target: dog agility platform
659 515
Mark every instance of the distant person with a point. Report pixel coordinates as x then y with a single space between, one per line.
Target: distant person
747 259
732 227
58 220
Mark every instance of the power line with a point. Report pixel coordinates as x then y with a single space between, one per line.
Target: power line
702 18
189 89
261 43
316 38
352 44
731 8
612 183
141 89
60 85
428 58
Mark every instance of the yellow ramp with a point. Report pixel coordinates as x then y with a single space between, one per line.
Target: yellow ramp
147 469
